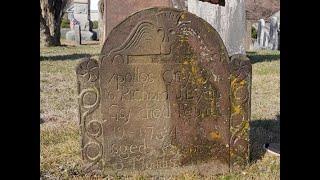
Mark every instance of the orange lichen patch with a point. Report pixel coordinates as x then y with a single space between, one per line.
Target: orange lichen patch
232 154
183 16
246 124
233 130
183 38
243 82
235 83
215 135
193 70
236 109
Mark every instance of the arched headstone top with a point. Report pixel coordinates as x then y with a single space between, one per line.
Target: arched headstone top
168 24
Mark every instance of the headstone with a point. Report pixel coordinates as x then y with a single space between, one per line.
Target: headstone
261 33
71 19
265 42
249 38
100 21
229 20
119 10
81 13
77 32
164 99
279 38
274 26
180 4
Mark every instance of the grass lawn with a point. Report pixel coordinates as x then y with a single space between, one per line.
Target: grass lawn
60 137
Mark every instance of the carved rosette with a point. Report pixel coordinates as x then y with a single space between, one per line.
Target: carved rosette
89 99
240 110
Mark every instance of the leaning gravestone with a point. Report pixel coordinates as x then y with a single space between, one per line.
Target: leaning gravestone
164 99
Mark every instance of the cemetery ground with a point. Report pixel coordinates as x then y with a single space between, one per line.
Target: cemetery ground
60 137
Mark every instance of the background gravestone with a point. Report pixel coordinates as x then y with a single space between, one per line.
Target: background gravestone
77 34
229 20
81 14
164 99
274 26
261 32
279 37
268 35
119 10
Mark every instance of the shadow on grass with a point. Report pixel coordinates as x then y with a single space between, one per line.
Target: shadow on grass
263 131
64 57
255 58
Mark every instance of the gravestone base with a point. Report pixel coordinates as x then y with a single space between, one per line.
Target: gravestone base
85 35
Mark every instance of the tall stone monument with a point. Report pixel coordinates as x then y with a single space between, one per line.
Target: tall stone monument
279 37
274 26
261 32
265 42
81 14
164 99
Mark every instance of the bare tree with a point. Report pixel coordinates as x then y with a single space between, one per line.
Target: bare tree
51 13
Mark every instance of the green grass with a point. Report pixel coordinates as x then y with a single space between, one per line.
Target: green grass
60 138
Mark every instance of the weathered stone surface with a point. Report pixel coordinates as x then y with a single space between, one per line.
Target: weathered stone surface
164 99
220 2
261 9
229 20
85 35
249 39
268 35
279 38
119 10
77 34
261 32
241 109
101 22
274 26
81 15
180 4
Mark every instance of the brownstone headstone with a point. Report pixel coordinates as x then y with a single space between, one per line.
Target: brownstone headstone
164 99
119 10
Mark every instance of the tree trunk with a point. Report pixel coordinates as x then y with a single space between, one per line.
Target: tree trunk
51 13
45 35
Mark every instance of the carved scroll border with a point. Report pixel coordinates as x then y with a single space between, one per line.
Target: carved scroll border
240 96
89 101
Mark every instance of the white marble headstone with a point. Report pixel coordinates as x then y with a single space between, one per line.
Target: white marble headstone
228 20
